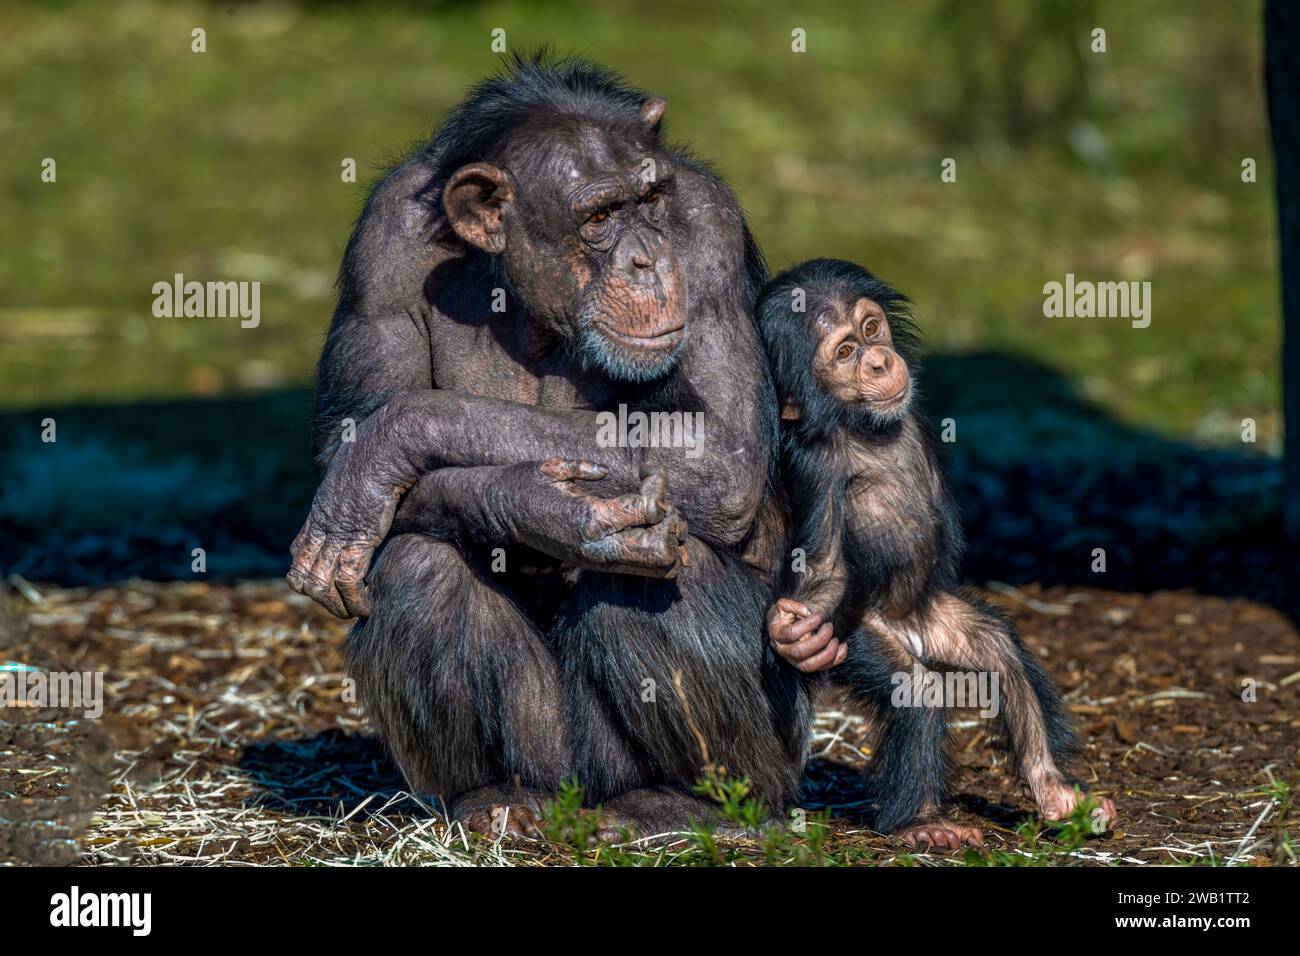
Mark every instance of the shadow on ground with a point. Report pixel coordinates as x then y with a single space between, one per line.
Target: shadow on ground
1043 477
316 775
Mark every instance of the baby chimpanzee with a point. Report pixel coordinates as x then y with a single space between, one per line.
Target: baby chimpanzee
880 539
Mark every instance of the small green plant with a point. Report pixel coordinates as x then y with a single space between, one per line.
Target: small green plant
732 797
742 833
1044 844
1283 791
781 846
577 829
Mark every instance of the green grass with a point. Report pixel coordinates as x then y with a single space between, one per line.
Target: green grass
572 832
226 165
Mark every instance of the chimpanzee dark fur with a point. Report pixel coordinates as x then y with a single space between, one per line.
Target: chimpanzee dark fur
492 686
913 561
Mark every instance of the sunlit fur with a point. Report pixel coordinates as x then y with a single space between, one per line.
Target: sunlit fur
906 549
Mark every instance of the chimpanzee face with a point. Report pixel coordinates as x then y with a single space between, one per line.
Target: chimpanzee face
855 359
580 215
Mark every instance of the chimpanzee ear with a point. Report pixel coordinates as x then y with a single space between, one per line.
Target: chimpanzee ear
652 111
474 201
791 411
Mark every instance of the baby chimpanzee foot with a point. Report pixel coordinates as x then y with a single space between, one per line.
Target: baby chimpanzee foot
1056 800
942 835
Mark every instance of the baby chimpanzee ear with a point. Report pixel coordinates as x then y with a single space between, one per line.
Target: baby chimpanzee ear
791 411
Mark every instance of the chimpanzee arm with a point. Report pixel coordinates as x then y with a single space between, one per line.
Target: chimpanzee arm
378 342
716 486
819 488
801 624
416 430
537 503
822 585
722 375
544 505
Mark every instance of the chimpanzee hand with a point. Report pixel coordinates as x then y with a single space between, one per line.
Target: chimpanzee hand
638 533
804 637
350 516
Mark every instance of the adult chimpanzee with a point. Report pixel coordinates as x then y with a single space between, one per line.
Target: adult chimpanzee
882 540
543 258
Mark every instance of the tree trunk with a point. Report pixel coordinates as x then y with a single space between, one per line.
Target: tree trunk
1282 65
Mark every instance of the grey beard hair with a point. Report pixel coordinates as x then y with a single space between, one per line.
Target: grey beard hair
593 351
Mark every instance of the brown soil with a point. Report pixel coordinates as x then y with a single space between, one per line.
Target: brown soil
226 736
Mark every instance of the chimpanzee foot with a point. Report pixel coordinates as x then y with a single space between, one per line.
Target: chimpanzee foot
504 821
1057 799
515 822
604 827
942 835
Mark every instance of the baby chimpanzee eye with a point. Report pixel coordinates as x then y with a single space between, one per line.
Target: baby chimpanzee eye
599 216
844 351
872 328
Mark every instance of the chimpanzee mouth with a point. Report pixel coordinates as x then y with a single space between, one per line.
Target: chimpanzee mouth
631 358
667 339
891 404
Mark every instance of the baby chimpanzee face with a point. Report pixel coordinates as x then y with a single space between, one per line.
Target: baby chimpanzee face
855 360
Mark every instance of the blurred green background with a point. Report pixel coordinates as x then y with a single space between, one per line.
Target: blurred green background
226 165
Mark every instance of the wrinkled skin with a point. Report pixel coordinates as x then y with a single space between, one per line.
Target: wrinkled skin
804 637
627 276
594 265
638 533
941 835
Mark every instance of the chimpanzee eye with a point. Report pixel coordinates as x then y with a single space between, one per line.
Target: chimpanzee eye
652 197
872 328
599 216
844 351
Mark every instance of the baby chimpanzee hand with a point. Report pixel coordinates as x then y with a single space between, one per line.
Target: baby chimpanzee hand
803 636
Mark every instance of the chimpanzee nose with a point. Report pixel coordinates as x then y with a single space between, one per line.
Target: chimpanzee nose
879 361
635 255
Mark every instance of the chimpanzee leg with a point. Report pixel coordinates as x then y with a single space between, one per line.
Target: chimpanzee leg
910 769
458 681
664 677
964 632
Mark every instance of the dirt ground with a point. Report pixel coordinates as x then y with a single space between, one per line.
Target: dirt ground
226 737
